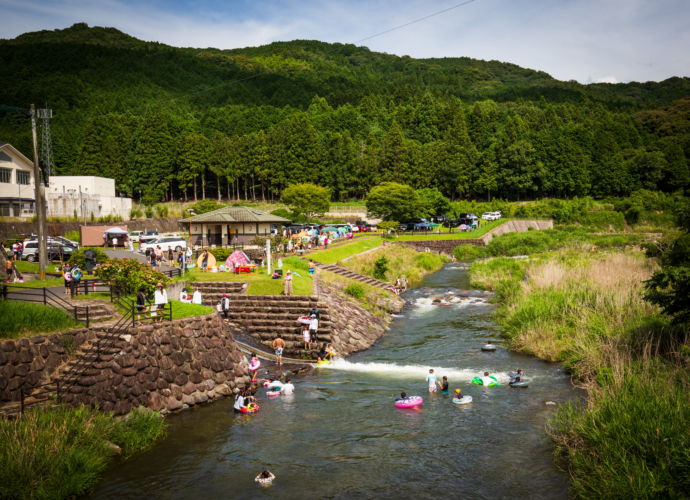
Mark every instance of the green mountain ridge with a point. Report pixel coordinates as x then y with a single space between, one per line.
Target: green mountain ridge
171 121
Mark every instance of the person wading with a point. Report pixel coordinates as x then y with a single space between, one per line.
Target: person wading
278 344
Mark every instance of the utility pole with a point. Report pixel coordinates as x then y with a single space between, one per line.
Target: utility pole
40 202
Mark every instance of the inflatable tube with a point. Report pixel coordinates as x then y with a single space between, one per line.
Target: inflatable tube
488 348
323 362
518 384
479 381
275 385
254 365
411 402
250 408
272 394
463 400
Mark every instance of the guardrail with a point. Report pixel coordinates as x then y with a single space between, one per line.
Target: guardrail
47 298
88 286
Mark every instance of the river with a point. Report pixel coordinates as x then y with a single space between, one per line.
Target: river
339 435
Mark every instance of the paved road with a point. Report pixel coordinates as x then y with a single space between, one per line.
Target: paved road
120 253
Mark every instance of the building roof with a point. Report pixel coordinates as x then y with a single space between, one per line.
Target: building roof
9 147
227 215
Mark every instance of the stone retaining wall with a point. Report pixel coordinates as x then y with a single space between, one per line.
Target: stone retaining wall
165 366
353 327
29 362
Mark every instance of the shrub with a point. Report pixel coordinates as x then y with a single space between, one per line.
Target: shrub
604 219
77 257
73 235
380 268
355 290
469 252
207 205
161 210
221 254
285 213
136 213
148 211
128 275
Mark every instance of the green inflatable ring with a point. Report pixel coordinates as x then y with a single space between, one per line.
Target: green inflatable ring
478 381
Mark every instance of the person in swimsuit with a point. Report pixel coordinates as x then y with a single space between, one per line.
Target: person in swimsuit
265 478
403 395
278 345
431 380
443 386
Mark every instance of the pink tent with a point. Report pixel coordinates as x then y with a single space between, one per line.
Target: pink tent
237 258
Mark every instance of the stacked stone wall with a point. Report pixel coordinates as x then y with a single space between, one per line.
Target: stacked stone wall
165 366
353 328
29 362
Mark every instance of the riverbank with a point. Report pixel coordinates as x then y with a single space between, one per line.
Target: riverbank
61 452
586 309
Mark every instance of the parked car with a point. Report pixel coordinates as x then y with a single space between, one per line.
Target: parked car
177 243
440 219
489 216
135 235
56 251
65 241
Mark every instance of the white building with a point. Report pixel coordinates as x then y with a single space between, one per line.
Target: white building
16 183
85 196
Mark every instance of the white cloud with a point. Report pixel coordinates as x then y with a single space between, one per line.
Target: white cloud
607 79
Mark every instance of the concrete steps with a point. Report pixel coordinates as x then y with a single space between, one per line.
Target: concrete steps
342 271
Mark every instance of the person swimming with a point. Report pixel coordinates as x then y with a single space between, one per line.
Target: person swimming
486 379
517 377
403 395
265 478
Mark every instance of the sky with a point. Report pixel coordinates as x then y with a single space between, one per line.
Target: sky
584 40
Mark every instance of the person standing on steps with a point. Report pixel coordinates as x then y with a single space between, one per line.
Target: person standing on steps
287 283
313 327
278 345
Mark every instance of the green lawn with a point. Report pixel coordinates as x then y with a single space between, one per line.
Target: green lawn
340 252
24 318
259 282
41 283
456 235
184 310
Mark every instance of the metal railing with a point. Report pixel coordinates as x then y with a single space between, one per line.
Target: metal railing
88 286
47 298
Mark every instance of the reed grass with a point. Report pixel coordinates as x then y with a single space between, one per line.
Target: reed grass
60 452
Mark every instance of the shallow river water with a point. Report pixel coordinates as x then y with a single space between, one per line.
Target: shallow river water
339 435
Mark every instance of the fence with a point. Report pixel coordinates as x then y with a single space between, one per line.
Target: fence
47 298
88 286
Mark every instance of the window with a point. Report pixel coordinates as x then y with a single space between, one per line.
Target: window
6 175
23 177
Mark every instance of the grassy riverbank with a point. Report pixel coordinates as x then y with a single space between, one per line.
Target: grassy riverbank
400 261
585 309
60 452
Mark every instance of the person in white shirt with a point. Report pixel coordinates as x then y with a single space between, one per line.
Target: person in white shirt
288 388
196 297
313 327
160 299
184 297
486 380
431 380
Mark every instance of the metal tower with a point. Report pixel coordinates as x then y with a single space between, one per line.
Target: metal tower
46 156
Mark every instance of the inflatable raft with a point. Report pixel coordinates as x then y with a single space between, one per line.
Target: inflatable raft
488 347
273 394
522 384
479 381
411 402
463 400
250 408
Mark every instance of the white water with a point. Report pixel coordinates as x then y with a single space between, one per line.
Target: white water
412 371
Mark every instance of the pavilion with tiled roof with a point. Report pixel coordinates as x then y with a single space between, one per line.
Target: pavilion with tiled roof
230 225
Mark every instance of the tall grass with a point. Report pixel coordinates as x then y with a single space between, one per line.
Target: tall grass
60 452
630 439
23 318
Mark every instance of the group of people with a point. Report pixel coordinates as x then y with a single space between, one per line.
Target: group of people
160 300
434 385
195 298
400 285
71 276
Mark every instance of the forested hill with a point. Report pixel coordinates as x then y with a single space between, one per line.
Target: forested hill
159 118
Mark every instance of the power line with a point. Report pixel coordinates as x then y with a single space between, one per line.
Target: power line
409 23
414 21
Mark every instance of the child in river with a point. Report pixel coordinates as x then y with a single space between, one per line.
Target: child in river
265 478
403 395
431 380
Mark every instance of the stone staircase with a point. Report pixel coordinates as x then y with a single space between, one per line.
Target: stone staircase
355 276
98 311
264 317
212 291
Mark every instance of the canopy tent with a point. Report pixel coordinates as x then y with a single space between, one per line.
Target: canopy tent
422 225
237 258
433 224
330 228
115 231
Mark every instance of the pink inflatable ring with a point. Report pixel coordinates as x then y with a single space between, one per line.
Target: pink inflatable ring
411 402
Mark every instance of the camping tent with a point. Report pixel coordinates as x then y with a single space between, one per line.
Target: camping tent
115 231
237 258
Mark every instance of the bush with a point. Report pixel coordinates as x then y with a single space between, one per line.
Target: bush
355 290
221 254
73 235
285 213
604 219
380 268
128 275
148 211
53 453
207 205
77 257
136 213
161 211
469 252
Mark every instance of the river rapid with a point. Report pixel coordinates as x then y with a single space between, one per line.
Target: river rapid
339 435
